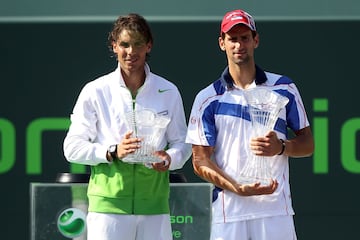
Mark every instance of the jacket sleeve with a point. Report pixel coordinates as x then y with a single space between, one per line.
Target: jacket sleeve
178 150
79 146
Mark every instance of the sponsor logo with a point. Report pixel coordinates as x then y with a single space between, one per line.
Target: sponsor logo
71 222
163 90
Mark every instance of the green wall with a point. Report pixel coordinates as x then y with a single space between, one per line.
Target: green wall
44 66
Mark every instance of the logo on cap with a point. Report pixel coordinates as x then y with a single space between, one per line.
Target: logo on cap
237 17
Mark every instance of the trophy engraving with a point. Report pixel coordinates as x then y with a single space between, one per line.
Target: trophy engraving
264 107
150 127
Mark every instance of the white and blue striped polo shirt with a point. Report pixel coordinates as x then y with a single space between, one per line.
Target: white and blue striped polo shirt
219 118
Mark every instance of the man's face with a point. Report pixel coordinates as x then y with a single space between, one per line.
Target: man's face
239 44
131 49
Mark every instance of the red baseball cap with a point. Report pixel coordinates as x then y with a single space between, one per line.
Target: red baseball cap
237 17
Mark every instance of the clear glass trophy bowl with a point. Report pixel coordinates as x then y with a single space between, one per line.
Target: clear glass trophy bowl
151 128
264 107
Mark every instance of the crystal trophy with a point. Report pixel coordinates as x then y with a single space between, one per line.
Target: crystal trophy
151 128
264 107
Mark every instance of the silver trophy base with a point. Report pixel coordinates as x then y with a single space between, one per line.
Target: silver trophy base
141 159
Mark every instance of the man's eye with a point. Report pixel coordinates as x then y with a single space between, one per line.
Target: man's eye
124 44
139 44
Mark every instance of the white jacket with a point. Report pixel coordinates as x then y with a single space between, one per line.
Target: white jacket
97 119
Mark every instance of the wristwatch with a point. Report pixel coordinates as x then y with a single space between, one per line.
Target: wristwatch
113 151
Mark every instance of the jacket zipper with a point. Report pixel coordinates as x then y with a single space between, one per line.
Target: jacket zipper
134 166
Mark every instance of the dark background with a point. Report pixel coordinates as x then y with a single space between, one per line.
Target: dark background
43 67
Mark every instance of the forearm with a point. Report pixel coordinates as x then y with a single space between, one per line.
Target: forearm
206 169
215 176
300 146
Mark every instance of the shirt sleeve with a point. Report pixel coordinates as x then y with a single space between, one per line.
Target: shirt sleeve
296 114
201 128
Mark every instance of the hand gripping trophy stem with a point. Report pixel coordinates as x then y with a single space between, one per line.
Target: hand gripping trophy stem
151 128
264 107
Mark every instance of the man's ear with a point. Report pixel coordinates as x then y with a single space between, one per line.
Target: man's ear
149 46
257 40
114 46
221 44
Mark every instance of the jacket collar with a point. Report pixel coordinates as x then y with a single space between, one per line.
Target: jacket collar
119 76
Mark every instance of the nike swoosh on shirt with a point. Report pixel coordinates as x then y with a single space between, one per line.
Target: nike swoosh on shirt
163 90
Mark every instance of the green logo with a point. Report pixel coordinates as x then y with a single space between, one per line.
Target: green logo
71 222
163 90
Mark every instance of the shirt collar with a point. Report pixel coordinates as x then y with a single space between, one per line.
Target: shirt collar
227 80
